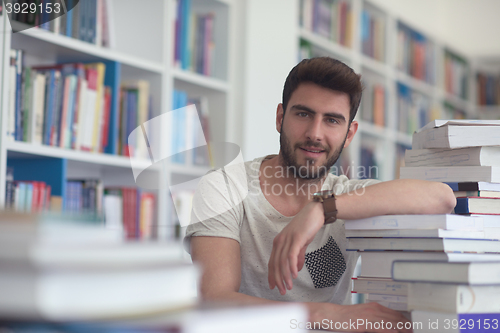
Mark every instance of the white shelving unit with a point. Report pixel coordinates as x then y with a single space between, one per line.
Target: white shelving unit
388 139
145 41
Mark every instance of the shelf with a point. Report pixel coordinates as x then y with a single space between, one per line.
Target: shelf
34 40
325 44
373 130
375 65
24 148
403 139
457 102
416 84
200 80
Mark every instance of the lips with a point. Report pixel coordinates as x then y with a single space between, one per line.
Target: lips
312 150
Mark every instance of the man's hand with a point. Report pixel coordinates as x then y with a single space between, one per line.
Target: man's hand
369 317
289 246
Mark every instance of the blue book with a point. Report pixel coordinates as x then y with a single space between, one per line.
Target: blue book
186 15
49 102
92 21
29 197
478 205
69 18
132 109
82 34
18 104
456 322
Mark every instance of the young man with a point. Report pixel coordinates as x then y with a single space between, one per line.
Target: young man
263 239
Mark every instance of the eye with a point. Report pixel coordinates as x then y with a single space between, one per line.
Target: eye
332 121
302 114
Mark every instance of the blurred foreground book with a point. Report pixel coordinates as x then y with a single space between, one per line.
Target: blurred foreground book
68 270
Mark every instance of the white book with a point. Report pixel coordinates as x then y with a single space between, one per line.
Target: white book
471 156
379 263
461 122
437 221
473 273
74 294
453 298
38 107
424 244
387 298
453 136
397 306
366 285
453 174
421 233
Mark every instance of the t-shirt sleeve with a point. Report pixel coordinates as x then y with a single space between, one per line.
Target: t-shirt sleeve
217 207
343 184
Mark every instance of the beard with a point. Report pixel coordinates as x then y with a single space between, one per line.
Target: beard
310 171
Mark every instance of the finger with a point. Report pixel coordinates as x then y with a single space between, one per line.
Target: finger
285 265
294 254
301 259
270 270
278 279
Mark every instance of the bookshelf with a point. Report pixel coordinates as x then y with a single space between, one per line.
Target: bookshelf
409 78
143 48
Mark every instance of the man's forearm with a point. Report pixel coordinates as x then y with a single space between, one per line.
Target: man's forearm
402 196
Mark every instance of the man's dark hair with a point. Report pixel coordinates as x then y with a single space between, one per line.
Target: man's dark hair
328 73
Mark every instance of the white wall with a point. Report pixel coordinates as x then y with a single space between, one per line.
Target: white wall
270 53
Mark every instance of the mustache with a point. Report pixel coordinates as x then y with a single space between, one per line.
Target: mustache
309 143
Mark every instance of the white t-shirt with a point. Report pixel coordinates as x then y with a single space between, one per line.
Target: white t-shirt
228 208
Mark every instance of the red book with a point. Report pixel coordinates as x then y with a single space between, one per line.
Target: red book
129 196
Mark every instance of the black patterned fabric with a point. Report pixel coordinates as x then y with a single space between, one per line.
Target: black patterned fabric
326 265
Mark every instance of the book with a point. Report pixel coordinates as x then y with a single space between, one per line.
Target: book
442 221
431 322
477 205
456 136
461 122
474 186
424 244
420 233
452 298
458 174
472 273
482 194
366 285
102 293
379 263
471 156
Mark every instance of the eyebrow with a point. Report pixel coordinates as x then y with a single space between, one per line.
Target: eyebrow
335 115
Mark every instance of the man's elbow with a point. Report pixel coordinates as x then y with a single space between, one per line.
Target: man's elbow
445 199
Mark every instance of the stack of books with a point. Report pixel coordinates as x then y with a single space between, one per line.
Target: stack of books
451 296
462 154
76 270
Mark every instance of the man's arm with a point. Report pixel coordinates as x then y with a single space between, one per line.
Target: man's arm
220 260
402 196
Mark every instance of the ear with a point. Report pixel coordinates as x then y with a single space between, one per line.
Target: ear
353 128
279 117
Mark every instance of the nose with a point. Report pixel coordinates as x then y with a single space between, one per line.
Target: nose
314 130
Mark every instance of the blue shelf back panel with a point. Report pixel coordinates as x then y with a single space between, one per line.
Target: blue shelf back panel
52 171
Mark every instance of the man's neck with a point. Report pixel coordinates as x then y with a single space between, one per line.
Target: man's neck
278 181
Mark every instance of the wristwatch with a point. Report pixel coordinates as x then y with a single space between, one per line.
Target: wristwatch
329 205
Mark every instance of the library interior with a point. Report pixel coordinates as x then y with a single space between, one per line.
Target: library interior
124 123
